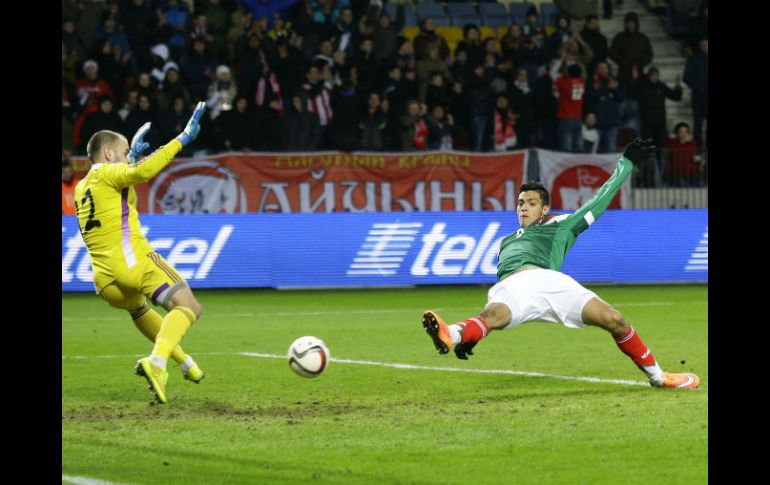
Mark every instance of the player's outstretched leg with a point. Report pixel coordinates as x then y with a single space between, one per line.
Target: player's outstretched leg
148 321
600 314
462 337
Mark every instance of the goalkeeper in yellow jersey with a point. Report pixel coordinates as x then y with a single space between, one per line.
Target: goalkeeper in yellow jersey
126 269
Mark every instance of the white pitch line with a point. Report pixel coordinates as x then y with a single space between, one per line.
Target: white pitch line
87 481
457 369
359 312
397 365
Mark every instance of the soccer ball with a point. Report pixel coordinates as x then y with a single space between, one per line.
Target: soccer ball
308 356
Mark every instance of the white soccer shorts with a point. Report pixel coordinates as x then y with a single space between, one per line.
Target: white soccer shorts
542 294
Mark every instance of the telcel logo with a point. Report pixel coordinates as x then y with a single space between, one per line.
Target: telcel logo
442 255
181 254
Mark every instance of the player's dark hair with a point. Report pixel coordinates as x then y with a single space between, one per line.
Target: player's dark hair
539 188
99 140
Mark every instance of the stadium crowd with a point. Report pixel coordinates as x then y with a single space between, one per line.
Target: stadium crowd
302 75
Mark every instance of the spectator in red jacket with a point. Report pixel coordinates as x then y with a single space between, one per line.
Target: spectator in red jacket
683 159
570 90
91 87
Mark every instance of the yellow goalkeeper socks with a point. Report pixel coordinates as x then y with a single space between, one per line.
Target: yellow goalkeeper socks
172 329
148 321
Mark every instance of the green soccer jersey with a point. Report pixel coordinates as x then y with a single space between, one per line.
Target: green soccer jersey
546 244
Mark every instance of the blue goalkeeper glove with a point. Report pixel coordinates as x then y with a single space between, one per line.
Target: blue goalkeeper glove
193 126
138 145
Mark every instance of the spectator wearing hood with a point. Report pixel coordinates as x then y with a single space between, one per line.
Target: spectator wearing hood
427 38
630 48
221 93
302 130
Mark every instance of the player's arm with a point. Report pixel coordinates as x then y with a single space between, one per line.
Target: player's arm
636 151
125 175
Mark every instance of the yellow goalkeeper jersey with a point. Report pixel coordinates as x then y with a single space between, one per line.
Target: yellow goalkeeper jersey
105 202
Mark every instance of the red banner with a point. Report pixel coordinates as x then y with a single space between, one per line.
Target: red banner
336 182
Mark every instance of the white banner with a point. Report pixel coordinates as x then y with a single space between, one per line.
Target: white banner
573 178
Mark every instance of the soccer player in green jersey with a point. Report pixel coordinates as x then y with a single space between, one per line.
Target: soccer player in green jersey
127 271
530 286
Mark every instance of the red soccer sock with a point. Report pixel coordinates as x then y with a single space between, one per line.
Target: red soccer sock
632 346
473 330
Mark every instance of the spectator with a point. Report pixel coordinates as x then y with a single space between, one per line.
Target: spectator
700 30
414 129
603 96
472 45
217 18
222 92
366 65
436 93
534 25
236 127
200 30
532 55
479 99
683 159
280 28
546 106
159 59
559 37
91 87
144 112
492 54
590 134
373 125
174 119
384 31
344 132
173 87
177 16
72 43
139 23
427 66
569 90
440 129
461 68
318 92
147 87
630 48
396 91
523 104
103 119
651 94
595 40
502 125
404 55
288 66
68 183
511 42
427 38
114 35
697 79
460 111
129 104
344 33
302 132
576 50
198 70
270 125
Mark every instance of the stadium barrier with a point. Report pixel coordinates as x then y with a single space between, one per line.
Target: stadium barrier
399 248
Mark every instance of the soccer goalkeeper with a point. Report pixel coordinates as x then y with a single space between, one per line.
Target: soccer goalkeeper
530 286
126 269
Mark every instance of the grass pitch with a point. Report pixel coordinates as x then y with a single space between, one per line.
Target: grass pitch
252 420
